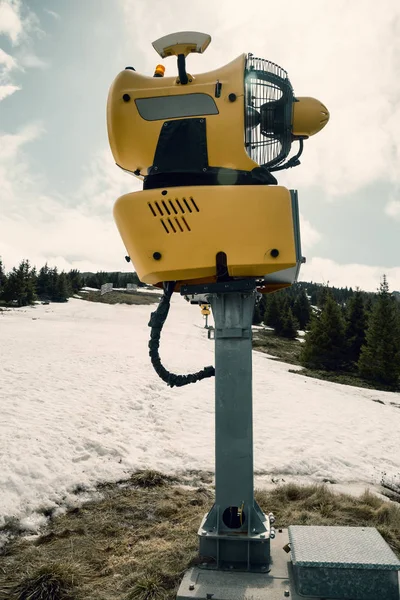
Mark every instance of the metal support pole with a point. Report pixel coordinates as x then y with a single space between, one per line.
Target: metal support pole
235 533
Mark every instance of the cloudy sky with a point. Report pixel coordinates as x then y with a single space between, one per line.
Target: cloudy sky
58 181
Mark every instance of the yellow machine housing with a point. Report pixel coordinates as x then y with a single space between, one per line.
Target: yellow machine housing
204 193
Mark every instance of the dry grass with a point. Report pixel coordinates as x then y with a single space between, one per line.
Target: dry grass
122 297
317 505
137 541
281 348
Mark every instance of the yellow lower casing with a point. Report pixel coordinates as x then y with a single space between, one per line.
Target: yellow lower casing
175 234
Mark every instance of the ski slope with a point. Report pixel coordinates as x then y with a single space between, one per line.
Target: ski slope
80 404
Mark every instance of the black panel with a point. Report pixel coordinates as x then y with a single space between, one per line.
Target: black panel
181 148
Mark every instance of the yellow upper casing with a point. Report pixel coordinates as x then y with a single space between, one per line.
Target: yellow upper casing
133 140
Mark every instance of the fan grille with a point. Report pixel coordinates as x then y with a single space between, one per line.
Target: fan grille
268 112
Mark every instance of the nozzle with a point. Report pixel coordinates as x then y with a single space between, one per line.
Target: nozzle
159 71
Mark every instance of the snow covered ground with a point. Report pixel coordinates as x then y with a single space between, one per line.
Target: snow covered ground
80 403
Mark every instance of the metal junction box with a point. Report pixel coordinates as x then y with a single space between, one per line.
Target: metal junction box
346 563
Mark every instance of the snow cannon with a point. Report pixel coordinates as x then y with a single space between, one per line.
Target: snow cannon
206 147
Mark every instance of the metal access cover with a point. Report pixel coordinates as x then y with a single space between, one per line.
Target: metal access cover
353 563
341 547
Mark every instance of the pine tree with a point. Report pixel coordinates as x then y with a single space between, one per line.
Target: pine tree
380 356
356 325
43 283
283 308
325 345
62 289
272 317
52 283
3 278
302 310
323 293
289 325
75 281
20 285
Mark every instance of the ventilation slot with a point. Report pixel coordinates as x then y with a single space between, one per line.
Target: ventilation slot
179 225
194 204
152 209
180 207
164 225
172 225
159 209
173 207
166 208
187 226
187 205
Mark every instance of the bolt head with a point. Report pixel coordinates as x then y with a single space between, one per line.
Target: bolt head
191 586
286 593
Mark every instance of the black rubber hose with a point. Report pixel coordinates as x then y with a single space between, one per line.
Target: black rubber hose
157 320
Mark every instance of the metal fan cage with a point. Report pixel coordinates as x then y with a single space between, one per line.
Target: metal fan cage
268 112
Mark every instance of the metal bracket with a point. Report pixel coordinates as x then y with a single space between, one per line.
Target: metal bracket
220 287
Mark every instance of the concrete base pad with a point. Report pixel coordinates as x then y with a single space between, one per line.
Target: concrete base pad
278 584
228 585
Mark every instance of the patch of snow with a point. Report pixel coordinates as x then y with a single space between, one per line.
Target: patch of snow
149 290
81 404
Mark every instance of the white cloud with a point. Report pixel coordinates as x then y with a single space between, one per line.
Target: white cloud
30 61
8 90
7 61
7 64
392 209
367 278
10 19
43 228
17 26
52 13
309 235
11 144
347 54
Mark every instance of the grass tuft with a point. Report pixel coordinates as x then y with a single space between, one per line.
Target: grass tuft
150 479
49 582
148 587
